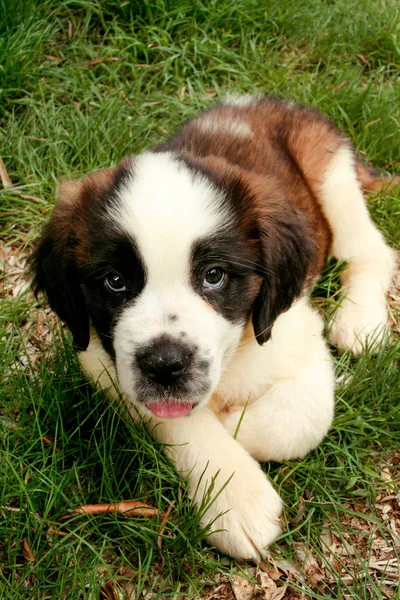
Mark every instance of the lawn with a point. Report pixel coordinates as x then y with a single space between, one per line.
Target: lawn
82 83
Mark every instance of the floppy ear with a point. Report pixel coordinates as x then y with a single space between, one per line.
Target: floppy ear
54 267
287 253
54 261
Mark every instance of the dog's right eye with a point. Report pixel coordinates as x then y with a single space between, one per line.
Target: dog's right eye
214 279
114 282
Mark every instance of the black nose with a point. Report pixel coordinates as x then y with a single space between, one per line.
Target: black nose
165 361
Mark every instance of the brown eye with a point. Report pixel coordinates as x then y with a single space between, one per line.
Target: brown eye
214 278
115 283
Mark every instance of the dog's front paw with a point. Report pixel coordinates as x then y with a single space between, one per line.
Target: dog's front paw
357 325
244 517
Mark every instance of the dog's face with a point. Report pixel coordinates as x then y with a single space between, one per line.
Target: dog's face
168 257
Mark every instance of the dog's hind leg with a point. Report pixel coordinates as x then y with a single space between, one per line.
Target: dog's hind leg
362 316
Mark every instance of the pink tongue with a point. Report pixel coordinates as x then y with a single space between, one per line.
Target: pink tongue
169 408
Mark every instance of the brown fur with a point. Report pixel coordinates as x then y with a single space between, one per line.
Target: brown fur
275 153
290 143
295 144
74 198
373 181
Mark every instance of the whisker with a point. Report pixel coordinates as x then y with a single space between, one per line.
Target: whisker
241 262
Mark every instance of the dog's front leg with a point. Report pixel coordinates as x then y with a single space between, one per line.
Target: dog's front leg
243 511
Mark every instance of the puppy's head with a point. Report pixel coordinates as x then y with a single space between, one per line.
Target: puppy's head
168 257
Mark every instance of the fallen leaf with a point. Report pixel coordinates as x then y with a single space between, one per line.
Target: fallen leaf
364 60
5 178
300 513
98 61
27 552
242 588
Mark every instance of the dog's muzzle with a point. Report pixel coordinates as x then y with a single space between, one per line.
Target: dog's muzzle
166 377
165 362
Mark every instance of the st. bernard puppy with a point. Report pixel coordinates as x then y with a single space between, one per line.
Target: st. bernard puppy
184 275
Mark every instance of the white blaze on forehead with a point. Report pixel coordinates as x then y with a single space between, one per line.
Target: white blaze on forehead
166 207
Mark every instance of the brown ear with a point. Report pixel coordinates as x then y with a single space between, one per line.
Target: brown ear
54 261
55 273
287 254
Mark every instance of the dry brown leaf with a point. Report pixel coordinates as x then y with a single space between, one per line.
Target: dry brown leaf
288 568
98 61
50 443
5 178
269 587
27 552
342 84
279 593
242 588
363 60
108 592
300 513
54 531
265 587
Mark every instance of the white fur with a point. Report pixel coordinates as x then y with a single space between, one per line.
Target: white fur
362 316
240 100
233 126
247 510
295 337
284 388
162 196
287 421
293 414
97 364
292 417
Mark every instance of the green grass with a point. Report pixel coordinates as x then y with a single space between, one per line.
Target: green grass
63 114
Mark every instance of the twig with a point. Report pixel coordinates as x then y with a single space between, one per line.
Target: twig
24 196
163 524
50 443
53 530
130 508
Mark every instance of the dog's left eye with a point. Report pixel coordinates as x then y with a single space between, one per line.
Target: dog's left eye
214 278
114 282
